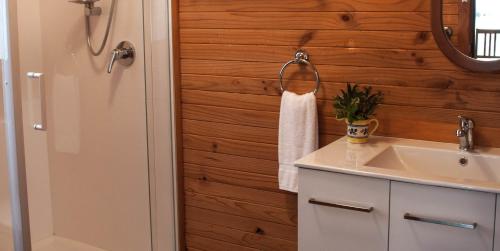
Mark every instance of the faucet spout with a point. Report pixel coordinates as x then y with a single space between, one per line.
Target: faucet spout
465 134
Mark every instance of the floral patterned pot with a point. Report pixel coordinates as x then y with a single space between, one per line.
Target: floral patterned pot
358 132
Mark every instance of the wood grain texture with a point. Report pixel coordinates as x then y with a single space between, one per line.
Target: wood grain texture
320 38
300 5
399 21
230 53
196 242
459 14
236 189
233 177
243 223
388 58
254 240
239 208
443 79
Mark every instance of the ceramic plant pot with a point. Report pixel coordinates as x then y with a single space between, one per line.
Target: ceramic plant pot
359 131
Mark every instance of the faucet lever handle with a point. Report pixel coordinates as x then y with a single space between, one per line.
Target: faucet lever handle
124 54
461 122
465 123
470 123
114 56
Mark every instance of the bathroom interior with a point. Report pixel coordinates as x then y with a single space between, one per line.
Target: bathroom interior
206 125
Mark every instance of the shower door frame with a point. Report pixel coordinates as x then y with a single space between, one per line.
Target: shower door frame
162 129
160 113
14 137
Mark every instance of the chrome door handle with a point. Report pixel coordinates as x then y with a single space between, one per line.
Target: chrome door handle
124 54
41 125
408 216
341 206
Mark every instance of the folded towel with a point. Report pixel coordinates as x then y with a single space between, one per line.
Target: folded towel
298 135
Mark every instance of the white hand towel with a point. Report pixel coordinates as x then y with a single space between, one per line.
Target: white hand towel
298 135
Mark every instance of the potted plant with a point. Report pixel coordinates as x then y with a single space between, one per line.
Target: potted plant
357 107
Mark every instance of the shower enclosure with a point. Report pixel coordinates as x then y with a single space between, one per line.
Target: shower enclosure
96 177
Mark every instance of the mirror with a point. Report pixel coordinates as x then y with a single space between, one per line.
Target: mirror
468 32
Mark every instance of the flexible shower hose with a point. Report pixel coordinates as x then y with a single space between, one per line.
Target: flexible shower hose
108 28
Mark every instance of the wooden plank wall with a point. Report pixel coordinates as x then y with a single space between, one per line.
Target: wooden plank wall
230 54
458 17
451 9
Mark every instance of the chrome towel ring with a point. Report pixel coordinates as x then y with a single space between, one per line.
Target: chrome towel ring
301 58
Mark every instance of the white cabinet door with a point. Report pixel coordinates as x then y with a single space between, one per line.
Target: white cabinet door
497 225
428 209
342 212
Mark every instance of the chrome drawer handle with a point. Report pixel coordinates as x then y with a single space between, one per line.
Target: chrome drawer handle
342 206
408 216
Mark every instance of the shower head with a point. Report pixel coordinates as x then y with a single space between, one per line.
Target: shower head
90 10
84 1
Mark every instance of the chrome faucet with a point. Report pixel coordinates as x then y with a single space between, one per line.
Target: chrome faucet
464 133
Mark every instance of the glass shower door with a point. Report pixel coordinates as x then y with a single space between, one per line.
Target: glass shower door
85 131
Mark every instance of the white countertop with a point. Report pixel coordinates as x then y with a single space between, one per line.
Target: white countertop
343 157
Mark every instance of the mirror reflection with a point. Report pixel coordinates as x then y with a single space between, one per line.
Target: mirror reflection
473 27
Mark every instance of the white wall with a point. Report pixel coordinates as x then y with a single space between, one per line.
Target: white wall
6 239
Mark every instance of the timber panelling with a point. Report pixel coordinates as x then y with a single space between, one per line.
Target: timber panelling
230 54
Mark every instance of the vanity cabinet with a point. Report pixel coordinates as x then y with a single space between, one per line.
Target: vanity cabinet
356 213
342 212
440 219
497 225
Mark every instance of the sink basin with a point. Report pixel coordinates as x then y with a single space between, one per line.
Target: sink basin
415 161
439 162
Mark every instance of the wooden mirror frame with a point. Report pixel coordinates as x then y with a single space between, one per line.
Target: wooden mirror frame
455 55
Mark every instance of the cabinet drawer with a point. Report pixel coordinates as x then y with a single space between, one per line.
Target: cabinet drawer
428 218
342 212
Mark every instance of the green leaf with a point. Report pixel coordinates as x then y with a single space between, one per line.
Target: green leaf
355 103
